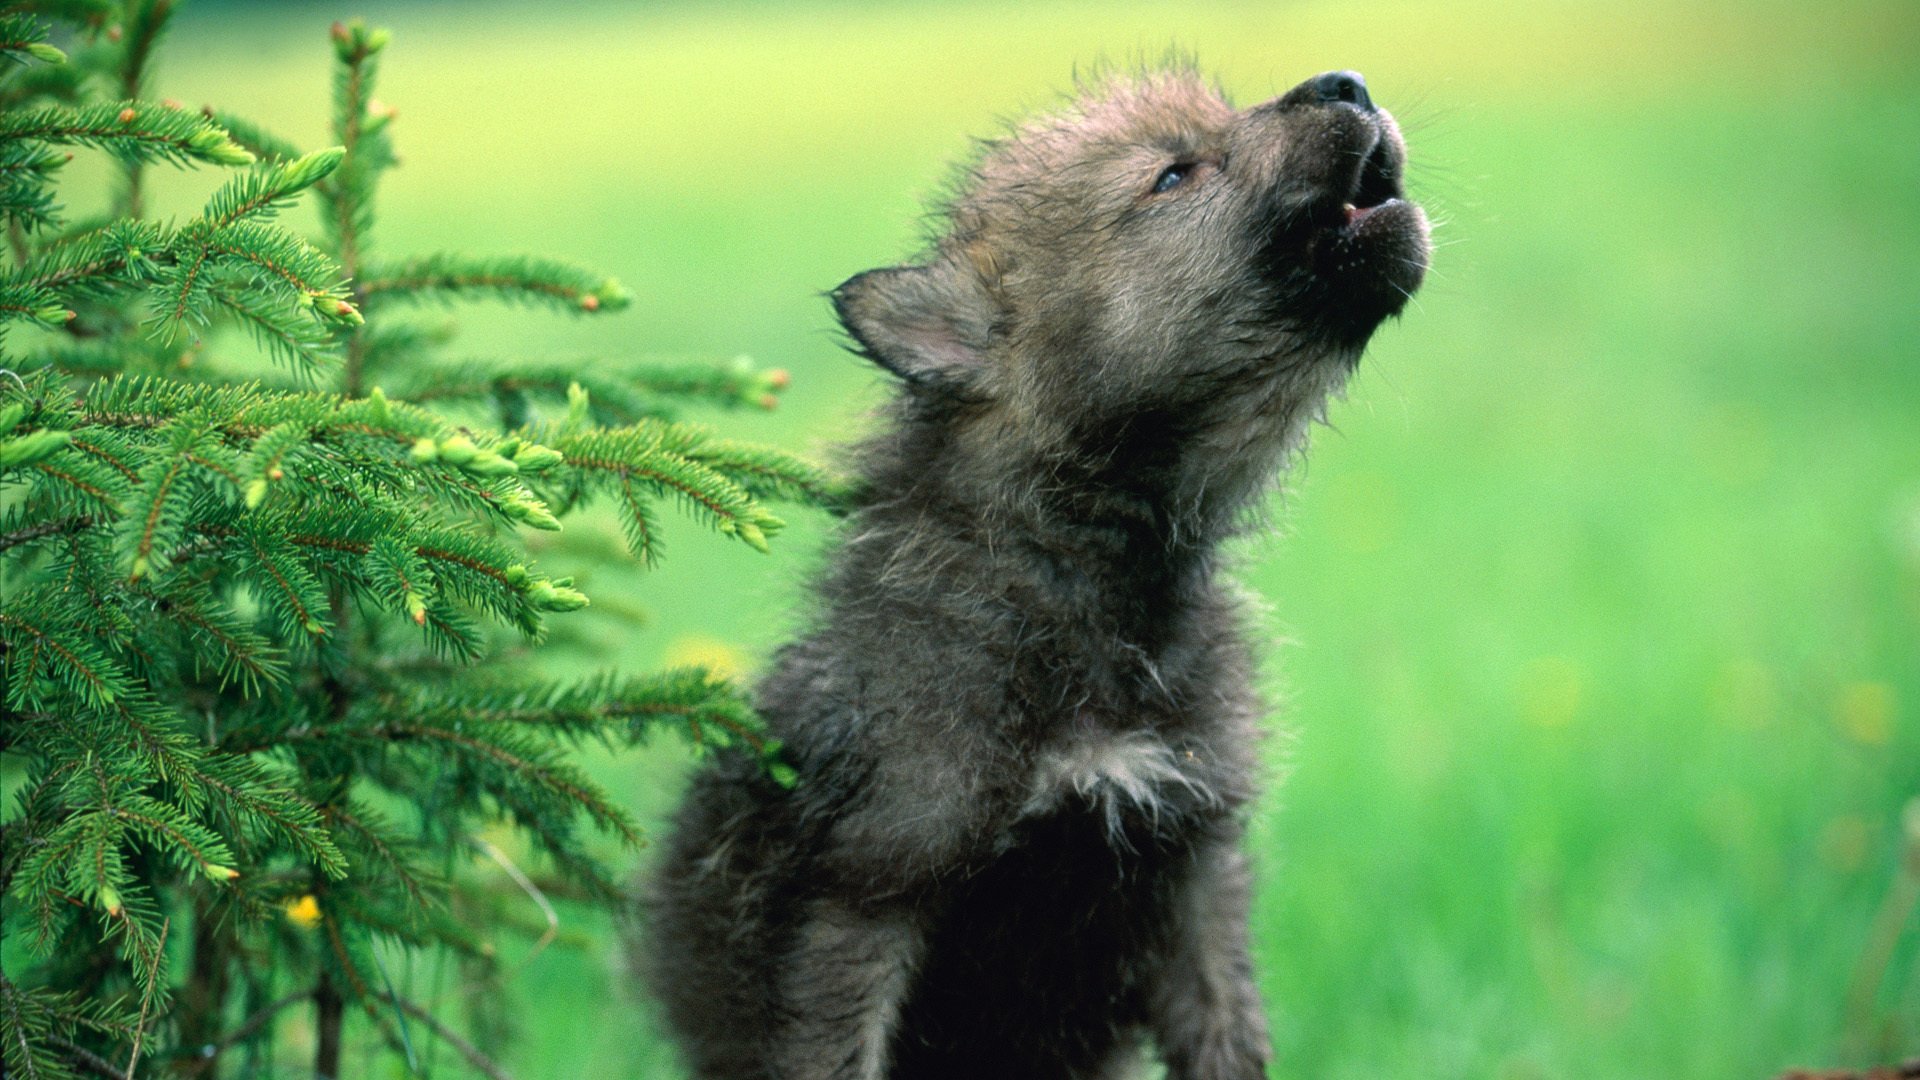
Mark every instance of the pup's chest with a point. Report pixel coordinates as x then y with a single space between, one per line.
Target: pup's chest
1130 780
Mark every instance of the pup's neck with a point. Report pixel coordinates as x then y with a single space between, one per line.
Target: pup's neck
1195 468
1118 518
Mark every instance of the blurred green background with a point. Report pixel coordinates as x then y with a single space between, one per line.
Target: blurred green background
1595 616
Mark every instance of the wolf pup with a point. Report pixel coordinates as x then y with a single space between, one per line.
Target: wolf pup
1022 717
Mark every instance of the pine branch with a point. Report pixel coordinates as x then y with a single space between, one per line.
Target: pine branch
168 485
648 460
180 295
227 645
40 649
145 21
264 190
767 473
34 1021
289 334
522 772
627 397
366 152
57 527
268 809
359 130
393 444
262 144
516 279
92 264
24 38
32 303
194 846
133 131
374 839
709 710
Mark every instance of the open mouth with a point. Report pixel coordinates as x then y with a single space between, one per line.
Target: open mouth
1376 184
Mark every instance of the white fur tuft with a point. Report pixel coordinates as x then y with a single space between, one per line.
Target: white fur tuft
1118 772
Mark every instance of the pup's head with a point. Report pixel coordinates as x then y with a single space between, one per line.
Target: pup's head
1150 250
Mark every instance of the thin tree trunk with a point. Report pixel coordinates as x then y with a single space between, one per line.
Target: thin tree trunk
203 1000
332 1013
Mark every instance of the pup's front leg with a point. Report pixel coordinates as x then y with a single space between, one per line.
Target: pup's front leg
1206 1012
840 991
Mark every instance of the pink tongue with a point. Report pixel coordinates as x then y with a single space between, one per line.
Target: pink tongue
1358 213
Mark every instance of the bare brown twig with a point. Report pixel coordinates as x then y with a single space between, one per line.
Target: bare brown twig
88 1060
153 976
205 1058
452 1038
1908 1070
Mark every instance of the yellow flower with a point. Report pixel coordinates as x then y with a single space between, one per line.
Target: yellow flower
697 650
304 911
1864 711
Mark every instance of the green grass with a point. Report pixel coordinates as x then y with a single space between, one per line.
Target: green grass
1601 602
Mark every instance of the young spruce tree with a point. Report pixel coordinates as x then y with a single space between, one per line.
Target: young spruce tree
248 747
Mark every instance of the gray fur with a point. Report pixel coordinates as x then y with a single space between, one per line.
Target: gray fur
1022 717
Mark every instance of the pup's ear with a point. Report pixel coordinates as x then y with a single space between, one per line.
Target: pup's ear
927 324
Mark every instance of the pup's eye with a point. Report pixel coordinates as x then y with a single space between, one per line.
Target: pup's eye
1172 177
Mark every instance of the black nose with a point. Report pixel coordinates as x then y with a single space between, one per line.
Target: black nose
1345 86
